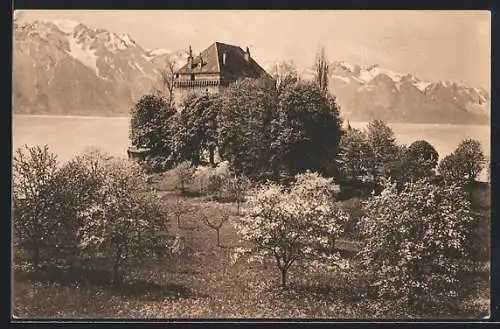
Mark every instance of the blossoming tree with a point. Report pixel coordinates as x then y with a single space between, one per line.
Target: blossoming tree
126 224
299 223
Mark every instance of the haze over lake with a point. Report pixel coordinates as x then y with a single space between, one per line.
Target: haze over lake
68 136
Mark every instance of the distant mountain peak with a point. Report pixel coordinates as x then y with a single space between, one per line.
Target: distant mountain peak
158 51
66 25
371 91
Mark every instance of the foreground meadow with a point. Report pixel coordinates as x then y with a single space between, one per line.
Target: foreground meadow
201 281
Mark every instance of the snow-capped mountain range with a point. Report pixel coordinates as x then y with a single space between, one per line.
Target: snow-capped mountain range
369 92
65 67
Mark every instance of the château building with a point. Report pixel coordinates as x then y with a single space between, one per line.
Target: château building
215 68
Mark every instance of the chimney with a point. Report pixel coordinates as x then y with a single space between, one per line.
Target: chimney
247 55
224 58
200 64
190 57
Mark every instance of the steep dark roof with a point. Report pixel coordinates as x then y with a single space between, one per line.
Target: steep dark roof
236 65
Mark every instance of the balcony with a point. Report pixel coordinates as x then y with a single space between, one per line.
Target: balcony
195 83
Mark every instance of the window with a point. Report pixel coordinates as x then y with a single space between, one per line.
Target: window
177 75
192 76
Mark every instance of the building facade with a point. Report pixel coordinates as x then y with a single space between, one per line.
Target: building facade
214 69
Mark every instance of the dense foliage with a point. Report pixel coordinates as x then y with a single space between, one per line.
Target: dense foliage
464 164
265 129
151 125
245 126
385 151
307 130
356 156
196 129
412 239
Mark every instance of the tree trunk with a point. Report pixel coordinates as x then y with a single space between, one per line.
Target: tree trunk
218 238
283 277
36 255
114 275
238 206
211 156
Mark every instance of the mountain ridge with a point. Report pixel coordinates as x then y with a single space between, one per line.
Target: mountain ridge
65 67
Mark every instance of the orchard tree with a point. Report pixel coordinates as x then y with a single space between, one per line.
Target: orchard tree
126 225
33 170
410 239
299 223
245 118
150 126
236 188
215 222
184 175
180 209
75 187
464 164
307 130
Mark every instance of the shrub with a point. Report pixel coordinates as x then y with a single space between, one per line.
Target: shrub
157 164
184 175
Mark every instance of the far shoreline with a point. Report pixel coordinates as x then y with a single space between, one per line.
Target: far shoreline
345 121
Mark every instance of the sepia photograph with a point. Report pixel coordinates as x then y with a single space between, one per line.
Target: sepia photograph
251 164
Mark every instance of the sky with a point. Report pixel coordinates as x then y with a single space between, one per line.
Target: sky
432 45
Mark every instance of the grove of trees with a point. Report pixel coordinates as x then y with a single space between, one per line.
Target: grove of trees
263 132
92 209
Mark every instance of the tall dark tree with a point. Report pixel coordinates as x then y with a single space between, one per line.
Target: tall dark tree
422 159
321 70
151 125
196 128
245 119
308 130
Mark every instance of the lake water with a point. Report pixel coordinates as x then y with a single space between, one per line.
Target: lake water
68 136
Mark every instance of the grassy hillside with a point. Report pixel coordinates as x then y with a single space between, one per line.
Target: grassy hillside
202 282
